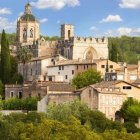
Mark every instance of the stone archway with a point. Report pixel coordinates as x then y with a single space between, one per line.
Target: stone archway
90 54
118 116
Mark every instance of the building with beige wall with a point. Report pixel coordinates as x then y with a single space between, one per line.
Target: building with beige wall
38 89
128 73
65 70
36 68
73 47
27 27
107 101
129 89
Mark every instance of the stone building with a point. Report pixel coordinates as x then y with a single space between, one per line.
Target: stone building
69 46
107 101
36 88
65 70
36 68
131 91
28 35
88 48
27 27
128 72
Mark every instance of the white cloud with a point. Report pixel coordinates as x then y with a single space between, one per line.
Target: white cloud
124 31
55 4
133 4
112 18
4 11
7 25
93 28
44 20
129 31
109 33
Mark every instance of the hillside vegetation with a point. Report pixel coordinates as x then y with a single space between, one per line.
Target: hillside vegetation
124 49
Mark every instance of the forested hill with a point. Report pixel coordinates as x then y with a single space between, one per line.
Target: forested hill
121 49
124 49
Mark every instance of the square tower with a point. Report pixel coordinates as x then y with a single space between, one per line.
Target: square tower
67 31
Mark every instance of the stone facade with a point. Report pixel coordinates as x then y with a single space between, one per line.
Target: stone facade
65 70
35 88
129 89
84 48
27 27
37 67
128 73
107 101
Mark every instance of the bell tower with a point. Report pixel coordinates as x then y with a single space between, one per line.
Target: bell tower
67 31
27 27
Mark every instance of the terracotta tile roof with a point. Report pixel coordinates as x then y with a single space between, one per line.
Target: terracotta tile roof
111 84
57 86
78 62
129 67
136 82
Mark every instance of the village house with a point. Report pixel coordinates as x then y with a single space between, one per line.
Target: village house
37 89
65 70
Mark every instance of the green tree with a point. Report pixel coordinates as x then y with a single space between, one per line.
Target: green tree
5 59
131 110
24 56
114 52
1 89
86 78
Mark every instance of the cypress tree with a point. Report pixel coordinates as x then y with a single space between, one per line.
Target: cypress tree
114 52
5 59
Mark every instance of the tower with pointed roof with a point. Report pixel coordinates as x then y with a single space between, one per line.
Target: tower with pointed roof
27 27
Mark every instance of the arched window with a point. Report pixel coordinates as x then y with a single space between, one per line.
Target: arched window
89 55
24 33
31 33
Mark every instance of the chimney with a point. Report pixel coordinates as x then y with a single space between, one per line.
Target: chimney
138 74
125 72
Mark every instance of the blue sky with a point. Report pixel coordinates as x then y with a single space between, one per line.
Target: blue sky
90 17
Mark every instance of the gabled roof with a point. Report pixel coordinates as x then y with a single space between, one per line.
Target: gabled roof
106 84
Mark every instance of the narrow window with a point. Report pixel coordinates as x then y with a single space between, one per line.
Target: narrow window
11 94
72 72
102 66
19 94
66 77
111 66
59 67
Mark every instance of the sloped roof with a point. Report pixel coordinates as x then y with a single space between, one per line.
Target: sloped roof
28 17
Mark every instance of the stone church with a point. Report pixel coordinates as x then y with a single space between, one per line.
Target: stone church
68 45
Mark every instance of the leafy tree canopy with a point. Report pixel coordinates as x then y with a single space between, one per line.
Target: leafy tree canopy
86 78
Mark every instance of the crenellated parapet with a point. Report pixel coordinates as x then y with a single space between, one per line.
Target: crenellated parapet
47 43
102 40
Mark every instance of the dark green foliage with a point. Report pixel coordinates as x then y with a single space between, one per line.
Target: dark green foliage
131 128
114 52
5 59
16 79
125 47
131 110
94 120
37 126
53 38
20 104
86 78
24 56
1 89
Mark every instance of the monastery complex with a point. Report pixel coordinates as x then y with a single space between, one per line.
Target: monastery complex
54 64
